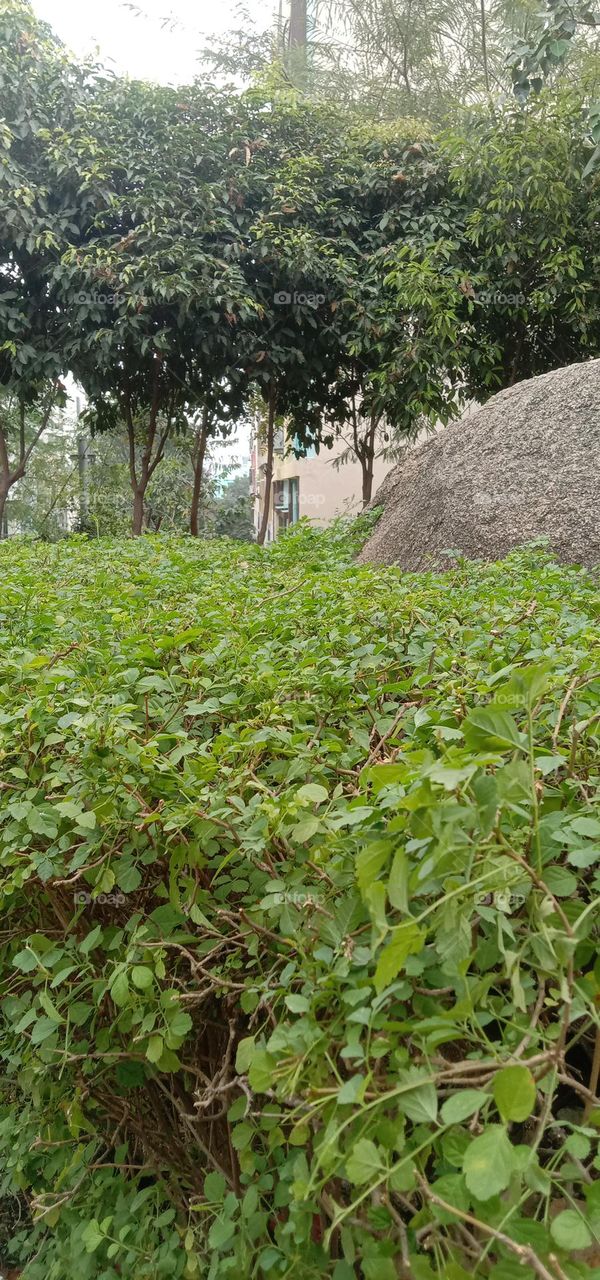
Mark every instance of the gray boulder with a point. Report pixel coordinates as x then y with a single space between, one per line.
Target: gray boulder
523 466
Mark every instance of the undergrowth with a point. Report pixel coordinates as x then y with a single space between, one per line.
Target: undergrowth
299 887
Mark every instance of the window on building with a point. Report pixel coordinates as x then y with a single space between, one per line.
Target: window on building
303 450
286 502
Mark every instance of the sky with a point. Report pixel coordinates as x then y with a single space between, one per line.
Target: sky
147 39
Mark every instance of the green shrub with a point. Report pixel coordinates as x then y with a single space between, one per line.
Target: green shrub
300 913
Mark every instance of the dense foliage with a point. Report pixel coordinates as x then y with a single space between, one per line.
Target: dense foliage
300 895
189 253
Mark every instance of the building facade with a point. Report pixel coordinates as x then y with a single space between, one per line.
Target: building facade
319 486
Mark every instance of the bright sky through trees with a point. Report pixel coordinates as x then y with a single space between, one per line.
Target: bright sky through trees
154 40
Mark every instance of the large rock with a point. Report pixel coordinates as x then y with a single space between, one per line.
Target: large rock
525 465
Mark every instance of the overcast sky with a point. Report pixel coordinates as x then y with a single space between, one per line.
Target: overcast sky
145 46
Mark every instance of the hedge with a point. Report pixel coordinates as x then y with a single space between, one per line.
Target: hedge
300 888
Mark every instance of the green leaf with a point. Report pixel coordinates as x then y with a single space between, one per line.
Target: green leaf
312 793
244 1055
524 688
142 977
79 1012
50 1008
462 1105
489 1163
585 826
119 990
407 940
297 1004
42 823
260 1071
560 882
305 830
269 1258
91 940
385 775
92 1236
352 1091
364 1162
26 961
155 1048
379 1268
593 163
42 1029
131 1075
420 1102
87 820
214 1186
494 731
370 860
570 1231
179 1022
514 1092
398 881
221 1232
242 1136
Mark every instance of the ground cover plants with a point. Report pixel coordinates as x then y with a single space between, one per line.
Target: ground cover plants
299 888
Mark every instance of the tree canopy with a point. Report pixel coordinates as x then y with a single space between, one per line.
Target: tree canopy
182 250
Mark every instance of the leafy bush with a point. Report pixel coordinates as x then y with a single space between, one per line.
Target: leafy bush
299 864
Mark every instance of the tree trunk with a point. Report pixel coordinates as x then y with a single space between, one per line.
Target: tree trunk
367 480
5 479
367 459
152 454
3 497
298 24
298 40
198 465
137 519
484 55
262 532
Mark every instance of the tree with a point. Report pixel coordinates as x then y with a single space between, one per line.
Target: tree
569 39
45 500
233 511
151 283
446 268
392 58
21 428
198 455
529 242
40 88
563 31
168 496
338 207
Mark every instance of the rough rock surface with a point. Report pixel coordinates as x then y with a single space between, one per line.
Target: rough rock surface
525 465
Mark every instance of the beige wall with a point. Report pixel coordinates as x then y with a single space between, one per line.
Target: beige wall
325 490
